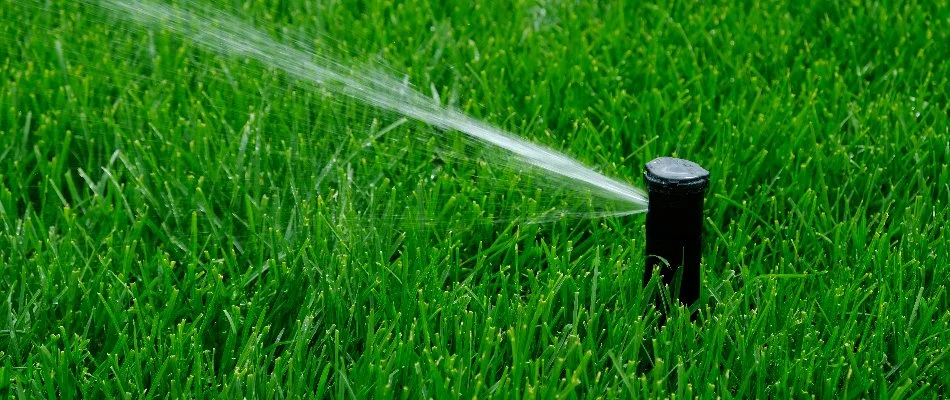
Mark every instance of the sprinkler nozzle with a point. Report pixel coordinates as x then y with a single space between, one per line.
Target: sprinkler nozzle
674 225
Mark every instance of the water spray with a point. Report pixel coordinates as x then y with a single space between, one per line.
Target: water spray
220 32
674 225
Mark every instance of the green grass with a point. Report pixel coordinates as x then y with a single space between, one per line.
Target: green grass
156 240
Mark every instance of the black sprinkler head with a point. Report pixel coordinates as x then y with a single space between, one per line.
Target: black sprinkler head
674 225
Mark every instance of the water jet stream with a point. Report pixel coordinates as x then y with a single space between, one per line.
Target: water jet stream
225 34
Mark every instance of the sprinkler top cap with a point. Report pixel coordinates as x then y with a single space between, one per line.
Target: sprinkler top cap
676 176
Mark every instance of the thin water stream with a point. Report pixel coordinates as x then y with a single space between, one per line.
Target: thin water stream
225 34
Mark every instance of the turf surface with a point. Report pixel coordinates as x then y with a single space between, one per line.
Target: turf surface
177 223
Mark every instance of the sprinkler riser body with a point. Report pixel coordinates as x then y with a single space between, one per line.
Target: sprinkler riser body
677 189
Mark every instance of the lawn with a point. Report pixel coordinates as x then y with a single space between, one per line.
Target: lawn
182 223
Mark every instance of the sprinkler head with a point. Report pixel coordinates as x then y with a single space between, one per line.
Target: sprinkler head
674 225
